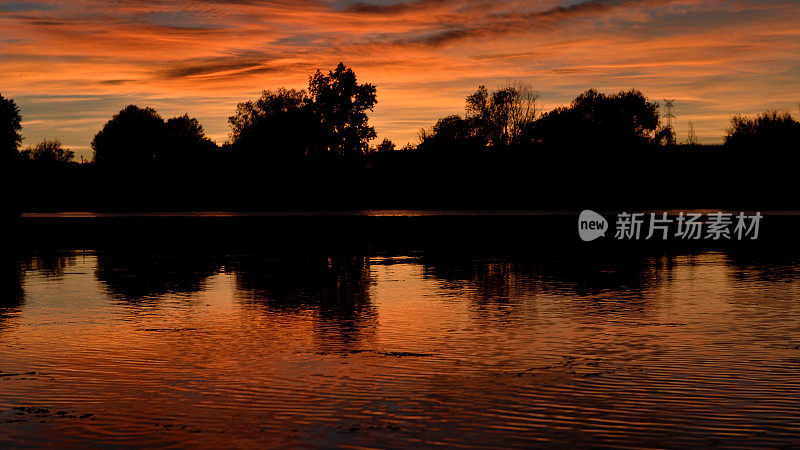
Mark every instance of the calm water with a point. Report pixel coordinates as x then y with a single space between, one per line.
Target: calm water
227 349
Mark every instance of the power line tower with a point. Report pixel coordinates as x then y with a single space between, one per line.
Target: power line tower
669 111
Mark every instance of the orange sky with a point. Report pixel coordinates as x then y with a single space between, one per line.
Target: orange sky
71 64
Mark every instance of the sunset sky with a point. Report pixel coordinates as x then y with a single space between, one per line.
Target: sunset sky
71 65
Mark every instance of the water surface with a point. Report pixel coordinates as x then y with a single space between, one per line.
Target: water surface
185 347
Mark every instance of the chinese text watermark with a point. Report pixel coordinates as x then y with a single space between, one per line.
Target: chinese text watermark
683 226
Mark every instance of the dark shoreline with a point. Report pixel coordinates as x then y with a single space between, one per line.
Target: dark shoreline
601 179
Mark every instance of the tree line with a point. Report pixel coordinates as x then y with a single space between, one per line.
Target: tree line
329 120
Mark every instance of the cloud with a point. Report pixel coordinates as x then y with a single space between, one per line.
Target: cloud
512 22
395 8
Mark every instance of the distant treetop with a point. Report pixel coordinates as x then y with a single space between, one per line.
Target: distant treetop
769 131
50 152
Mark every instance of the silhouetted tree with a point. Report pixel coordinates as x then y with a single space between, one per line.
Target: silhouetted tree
10 140
504 116
331 117
341 104
279 125
186 141
10 126
133 137
691 136
385 146
48 152
625 119
768 131
139 136
664 136
453 135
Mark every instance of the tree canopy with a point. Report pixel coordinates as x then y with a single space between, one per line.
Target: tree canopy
10 127
139 136
185 141
504 116
769 131
595 119
134 136
497 120
329 118
453 135
49 152
341 105
279 125
386 145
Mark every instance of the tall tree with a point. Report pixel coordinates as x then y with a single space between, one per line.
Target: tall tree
341 104
503 116
10 127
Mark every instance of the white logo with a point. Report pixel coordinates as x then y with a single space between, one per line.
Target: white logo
665 226
591 225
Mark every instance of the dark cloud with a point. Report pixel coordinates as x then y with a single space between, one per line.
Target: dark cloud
506 23
372 8
237 64
207 69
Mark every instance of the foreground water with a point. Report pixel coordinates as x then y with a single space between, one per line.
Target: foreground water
156 347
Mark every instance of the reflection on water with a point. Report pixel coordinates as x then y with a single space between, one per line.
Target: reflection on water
133 274
334 289
130 345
